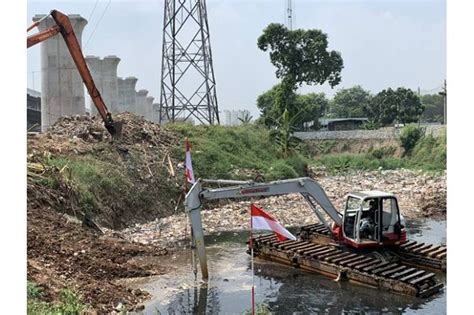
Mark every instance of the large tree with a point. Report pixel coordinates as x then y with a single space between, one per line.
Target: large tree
434 108
401 105
351 102
310 107
300 56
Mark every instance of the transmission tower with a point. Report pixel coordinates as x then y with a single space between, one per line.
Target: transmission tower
289 14
188 85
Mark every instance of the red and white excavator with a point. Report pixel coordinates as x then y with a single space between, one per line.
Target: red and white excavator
63 26
371 219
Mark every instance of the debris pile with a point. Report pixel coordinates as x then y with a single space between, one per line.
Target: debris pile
135 130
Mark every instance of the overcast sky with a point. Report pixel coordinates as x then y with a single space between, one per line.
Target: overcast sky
383 43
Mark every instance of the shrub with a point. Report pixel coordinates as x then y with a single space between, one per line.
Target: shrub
409 137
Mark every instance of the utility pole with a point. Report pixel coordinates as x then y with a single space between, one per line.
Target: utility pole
444 94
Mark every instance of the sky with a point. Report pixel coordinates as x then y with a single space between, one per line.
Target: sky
383 43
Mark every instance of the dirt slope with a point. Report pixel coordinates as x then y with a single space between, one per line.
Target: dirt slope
77 178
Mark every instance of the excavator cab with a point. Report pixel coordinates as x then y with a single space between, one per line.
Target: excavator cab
372 219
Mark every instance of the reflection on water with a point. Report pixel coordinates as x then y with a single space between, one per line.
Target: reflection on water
285 290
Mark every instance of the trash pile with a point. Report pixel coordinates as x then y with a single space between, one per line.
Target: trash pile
418 194
135 129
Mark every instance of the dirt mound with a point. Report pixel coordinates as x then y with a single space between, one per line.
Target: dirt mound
135 130
62 254
117 182
76 170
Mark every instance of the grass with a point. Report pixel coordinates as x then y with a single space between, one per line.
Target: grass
260 309
90 177
429 154
70 303
238 152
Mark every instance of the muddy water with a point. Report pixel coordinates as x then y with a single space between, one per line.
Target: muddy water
284 290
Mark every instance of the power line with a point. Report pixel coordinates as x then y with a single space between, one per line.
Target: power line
97 24
93 10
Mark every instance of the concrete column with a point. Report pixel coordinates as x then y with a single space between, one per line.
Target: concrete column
156 112
149 108
127 95
109 82
141 102
62 90
104 73
94 64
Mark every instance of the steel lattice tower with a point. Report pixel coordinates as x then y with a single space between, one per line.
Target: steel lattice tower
188 85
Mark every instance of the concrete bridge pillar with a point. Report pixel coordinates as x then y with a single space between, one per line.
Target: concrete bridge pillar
62 90
141 102
156 112
127 95
149 108
104 73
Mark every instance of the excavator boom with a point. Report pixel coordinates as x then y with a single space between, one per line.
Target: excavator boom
63 26
307 187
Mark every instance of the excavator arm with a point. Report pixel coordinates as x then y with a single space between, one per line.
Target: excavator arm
307 187
63 26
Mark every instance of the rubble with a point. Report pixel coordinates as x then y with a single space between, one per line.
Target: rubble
135 130
419 194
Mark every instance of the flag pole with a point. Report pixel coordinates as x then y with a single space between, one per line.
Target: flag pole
193 244
251 259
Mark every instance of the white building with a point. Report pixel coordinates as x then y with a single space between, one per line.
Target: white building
231 117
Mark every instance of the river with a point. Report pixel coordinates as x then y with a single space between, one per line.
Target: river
282 289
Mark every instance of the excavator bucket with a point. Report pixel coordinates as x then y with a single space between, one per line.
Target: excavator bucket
114 128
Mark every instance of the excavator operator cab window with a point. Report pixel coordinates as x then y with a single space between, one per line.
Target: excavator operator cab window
368 219
352 210
390 218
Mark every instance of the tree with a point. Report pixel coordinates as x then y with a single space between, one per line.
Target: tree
300 56
310 107
313 106
350 103
434 108
283 135
410 107
246 119
401 105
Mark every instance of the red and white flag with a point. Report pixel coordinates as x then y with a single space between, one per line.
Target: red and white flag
189 164
263 221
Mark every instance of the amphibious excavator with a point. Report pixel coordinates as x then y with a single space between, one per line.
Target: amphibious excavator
366 243
63 26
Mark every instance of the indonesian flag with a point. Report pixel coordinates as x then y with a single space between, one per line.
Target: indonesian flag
263 221
189 165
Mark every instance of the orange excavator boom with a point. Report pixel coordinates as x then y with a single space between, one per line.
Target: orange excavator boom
63 26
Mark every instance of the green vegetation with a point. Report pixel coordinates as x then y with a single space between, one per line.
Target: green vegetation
104 184
351 102
260 309
90 177
434 108
401 105
240 152
310 108
70 303
300 57
428 154
410 136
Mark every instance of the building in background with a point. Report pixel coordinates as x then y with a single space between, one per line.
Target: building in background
231 117
335 124
33 110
